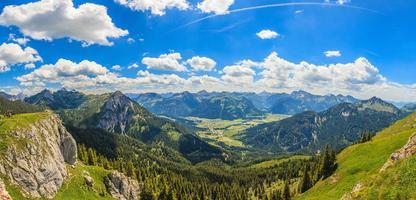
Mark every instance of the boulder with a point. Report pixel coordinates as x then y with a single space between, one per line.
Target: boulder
122 187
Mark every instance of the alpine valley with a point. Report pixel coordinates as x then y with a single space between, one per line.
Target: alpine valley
206 145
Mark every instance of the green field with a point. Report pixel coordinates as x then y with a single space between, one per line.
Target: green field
275 162
222 132
361 164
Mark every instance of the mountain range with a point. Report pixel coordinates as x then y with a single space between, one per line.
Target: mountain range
339 126
115 113
234 105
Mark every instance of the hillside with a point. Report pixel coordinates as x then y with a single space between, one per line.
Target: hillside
359 168
339 126
16 106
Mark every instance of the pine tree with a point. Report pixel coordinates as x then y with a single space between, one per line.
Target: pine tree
305 182
286 191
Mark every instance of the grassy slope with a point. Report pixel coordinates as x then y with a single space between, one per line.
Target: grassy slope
20 121
397 182
274 162
359 162
75 188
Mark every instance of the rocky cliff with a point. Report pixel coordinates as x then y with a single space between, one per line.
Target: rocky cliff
36 154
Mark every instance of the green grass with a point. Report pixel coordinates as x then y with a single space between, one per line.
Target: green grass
218 131
274 162
358 163
19 121
397 182
75 188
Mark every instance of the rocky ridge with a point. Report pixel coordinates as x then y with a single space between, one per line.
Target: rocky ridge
36 160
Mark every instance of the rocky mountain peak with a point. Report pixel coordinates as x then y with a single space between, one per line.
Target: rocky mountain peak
378 104
116 113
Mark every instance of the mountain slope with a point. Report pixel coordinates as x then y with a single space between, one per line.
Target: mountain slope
339 126
300 101
16 107
361 163
117 114
202 104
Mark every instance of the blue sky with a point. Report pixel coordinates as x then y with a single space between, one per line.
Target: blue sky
372 44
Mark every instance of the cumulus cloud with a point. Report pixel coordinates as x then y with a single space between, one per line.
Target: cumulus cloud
332 53
12 54
201 63
53 19
168 62
238 74
133 66
116 67
267 34
218 7
63 71
273 74
158 7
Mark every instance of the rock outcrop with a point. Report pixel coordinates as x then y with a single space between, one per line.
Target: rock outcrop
406 151
122 187
36 158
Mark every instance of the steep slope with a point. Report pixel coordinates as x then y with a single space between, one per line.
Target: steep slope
339 126
34 151
359 168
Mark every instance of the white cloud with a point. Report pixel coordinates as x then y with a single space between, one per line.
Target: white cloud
274 74
169 62
267 34
13 54
201 63
30 66
63 71
54 19
218 7
133 66
238 74
131 40
156 7
340 2
332 53
116 67
22 41
299 11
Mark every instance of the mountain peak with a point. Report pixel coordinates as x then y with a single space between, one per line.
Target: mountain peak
375 103
117 94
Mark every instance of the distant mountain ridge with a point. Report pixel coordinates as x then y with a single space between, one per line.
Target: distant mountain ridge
339 126
239 104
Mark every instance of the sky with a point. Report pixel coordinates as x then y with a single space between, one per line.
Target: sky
360 48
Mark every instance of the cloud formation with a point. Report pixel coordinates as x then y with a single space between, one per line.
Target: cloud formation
267 34
201 63
54 19
273 74
218 7
332 54
156 7
167 62
12 54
